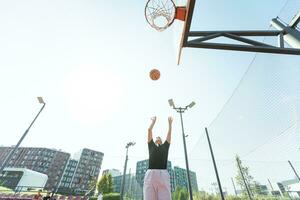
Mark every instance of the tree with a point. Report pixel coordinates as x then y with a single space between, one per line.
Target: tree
105 185
256 187
180 194
247 176
110 183
183 194
92 184
253 186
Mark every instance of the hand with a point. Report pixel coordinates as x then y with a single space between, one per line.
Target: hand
153 119
170 120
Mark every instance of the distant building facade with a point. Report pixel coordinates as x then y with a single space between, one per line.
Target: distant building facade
46 161
262 189
132 188
87 169
68 175
113 172
21 179
290 187
65 174
117 182
180 177
281 188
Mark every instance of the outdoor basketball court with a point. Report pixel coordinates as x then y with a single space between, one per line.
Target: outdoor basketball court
245 83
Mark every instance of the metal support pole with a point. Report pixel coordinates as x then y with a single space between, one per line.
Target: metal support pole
124 174
181 110
281 40
294 171
234 186
291 35
251 190
271 185
246 186
19 142
295 20
215 165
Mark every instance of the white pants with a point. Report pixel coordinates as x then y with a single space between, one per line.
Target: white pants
157 185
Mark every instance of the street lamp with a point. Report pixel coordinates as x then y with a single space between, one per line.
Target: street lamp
181 110
125 166
7 159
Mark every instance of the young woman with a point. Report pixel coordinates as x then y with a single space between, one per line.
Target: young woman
157 185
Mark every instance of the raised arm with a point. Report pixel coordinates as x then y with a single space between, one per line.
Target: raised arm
170 120
150 137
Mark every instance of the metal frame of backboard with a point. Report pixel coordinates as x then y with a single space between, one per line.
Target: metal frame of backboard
200 39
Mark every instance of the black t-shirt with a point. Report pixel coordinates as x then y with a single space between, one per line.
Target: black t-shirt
158 155
46 198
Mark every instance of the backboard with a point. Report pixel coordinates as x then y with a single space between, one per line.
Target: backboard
161 14
190 4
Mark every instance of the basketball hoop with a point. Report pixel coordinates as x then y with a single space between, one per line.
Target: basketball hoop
160 14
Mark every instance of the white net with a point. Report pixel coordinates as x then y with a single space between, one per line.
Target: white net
160 14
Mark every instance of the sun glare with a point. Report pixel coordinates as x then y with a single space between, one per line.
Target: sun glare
93 93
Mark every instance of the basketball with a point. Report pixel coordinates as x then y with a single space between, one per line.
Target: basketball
154 74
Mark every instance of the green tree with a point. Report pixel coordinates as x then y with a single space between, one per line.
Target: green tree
175 194
110 183
111 196
180 193
247 176
256 188
92 183
105 185
183 194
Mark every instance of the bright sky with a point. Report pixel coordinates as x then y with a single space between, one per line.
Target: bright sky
90 61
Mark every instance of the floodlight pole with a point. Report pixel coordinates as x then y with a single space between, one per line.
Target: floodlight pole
181 110
125 167
7 159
